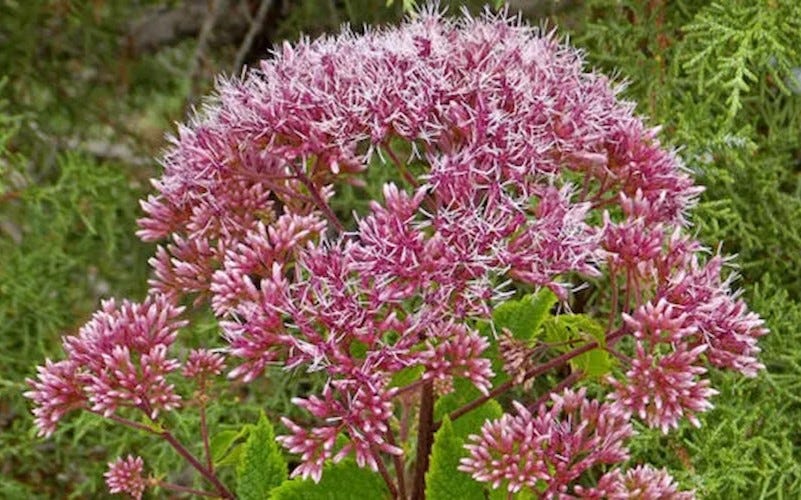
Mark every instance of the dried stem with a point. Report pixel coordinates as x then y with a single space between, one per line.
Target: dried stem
215 9
255 26
425 438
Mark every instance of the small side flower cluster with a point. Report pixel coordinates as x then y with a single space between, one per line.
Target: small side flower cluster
640 483
124 475
118 359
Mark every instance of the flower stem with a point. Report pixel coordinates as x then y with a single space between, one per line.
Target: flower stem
181 449
318 200
382 469
564 384
535 371
204 429
177 446
185 489
425 438
399 468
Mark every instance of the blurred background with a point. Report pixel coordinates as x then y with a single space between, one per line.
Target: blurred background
89 89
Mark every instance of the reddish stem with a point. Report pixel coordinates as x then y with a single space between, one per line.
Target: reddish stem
177 446
186 489
537 370
564 384
399 468
204 430
318 200
401 166
382 469
425 438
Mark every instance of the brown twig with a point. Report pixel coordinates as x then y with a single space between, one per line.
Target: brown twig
255 26
215 8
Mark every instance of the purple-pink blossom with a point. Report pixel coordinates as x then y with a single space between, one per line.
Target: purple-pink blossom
118 359
642 482
546 450
124 475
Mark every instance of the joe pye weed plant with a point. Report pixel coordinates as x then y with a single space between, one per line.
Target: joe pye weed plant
526 287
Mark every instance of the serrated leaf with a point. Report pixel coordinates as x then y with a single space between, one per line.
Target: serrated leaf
222 442
232 458
342 481
525 316
443 480
262 466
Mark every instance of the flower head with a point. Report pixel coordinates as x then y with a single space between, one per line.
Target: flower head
547 450
118 359
640 483
124 475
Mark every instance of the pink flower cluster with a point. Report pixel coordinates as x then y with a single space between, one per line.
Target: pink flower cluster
640 483
537 174
548 450
124 475
118 359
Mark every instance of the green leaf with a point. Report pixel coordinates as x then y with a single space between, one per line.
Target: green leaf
580 329
443 480
342 481
262 466
221 443
406 376
525 316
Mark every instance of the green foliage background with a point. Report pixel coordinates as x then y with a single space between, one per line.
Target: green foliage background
81 116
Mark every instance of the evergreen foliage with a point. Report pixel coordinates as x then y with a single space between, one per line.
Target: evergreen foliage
723 78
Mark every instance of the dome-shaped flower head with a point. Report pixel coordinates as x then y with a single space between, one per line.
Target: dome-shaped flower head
119 358
507 163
